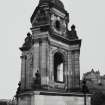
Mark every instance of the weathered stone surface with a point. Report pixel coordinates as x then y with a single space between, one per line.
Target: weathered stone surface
51 98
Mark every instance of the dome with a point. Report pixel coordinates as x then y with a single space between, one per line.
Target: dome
50 3
56 3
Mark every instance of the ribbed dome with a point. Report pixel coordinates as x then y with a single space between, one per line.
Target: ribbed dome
56 3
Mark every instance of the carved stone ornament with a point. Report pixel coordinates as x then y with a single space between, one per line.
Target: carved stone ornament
41 17
58 24
28 43
37 81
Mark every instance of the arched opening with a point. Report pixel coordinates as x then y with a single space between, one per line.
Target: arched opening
58 67
57 25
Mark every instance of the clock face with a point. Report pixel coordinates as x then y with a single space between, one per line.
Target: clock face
58 25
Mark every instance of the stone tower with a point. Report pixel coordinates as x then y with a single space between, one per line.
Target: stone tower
50 55
52 50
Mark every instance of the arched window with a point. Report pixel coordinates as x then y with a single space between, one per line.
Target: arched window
58 67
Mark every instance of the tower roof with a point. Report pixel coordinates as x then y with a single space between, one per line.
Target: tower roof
50 3
57 3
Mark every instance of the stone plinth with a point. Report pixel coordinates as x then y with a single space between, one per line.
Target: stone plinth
52 98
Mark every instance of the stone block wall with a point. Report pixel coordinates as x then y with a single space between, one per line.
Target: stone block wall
51 98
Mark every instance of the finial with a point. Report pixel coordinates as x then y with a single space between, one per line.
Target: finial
73 27
28 34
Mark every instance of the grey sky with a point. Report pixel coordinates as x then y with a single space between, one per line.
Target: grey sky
87 15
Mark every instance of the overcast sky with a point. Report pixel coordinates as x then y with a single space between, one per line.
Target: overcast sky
87 15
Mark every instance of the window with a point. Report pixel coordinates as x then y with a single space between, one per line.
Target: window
58 67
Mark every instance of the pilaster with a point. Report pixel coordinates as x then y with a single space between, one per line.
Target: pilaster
43 62
75 69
